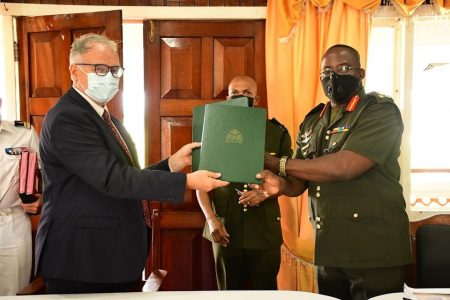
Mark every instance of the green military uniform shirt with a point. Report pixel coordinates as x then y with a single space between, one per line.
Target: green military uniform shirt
359 223
255 227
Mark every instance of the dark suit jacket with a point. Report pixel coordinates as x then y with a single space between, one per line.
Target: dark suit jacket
92 227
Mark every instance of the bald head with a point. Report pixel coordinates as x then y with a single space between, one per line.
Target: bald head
244 86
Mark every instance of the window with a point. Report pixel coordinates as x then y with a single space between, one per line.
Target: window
410 61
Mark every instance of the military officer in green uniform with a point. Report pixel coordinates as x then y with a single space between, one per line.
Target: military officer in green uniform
347 157
244 227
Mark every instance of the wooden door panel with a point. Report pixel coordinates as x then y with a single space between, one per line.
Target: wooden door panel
176 132
44 46
180 67
232 56
190 63
45 54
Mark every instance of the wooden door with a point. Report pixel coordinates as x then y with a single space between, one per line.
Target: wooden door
44 46
189 63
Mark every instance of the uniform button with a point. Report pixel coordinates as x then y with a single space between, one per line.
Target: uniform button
355 215
327 137
318 219
318 188
317 194
245 186
334 144
245 190
245 209
278 218
328 132
318 226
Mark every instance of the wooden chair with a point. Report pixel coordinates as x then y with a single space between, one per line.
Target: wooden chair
424 242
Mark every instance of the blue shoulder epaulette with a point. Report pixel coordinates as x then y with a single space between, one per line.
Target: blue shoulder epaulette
22 124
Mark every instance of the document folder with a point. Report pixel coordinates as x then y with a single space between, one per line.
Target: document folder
197 124
28 176
233 140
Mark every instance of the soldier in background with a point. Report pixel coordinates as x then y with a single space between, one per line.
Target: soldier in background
243 226
15 225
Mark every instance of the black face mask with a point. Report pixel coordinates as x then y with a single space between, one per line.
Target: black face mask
251 100
340 88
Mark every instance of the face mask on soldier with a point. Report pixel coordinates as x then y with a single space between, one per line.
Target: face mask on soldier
340 88
251 100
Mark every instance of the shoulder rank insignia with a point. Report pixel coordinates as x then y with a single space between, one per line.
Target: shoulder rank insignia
22 124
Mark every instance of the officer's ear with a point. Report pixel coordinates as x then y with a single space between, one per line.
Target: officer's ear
362 73
256 100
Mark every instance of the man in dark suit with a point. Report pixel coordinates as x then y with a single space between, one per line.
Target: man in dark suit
92 236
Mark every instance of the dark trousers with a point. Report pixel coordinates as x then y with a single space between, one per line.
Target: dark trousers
63 286
360 284
239 269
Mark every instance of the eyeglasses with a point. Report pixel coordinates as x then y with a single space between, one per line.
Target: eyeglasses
341 70
102 70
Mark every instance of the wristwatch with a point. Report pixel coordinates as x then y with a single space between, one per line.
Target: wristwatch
283 161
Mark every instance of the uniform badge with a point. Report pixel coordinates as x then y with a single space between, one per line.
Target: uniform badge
306 136
14 150
22 124
340 129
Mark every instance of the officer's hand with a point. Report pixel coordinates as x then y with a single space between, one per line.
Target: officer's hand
203 180
271 163
33 208
271 184
183 157
218 232
251 198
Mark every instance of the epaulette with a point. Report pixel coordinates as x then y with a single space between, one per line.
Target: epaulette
276 122
381 97
318 108
22 124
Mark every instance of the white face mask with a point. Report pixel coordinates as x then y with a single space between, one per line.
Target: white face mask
102 88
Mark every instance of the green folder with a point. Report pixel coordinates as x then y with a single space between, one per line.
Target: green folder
197 124
233 140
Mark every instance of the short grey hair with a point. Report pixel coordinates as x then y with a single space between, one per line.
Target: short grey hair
84 43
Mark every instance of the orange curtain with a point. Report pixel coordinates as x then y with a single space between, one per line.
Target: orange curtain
443 6
407 7
297 34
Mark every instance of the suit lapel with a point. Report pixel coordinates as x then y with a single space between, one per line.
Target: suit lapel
113 144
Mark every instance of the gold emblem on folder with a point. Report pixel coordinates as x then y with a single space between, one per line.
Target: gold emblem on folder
234 136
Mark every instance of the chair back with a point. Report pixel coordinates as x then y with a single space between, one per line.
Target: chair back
433 256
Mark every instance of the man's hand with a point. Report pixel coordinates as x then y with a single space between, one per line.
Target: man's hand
205 181
33 208
271 163
271 184
183 157
218 231
252 198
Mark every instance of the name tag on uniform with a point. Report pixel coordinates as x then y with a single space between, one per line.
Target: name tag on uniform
14 150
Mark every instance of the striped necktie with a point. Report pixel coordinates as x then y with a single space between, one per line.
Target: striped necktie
123 145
